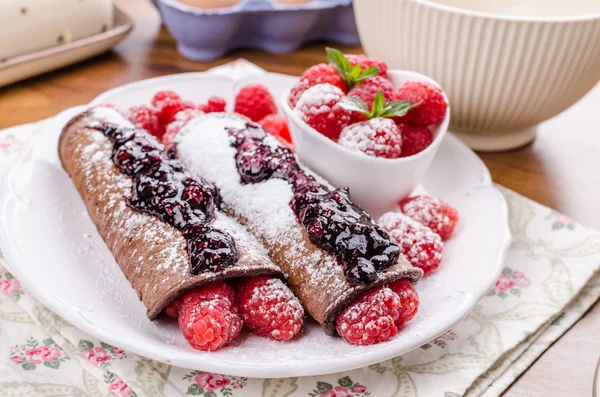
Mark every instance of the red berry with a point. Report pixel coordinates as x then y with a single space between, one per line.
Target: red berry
370 87
145 117
371 318
255 102
172 309
276 125
208 316
439 216
366 62
415 138
269 308
409 300
317 108
161 98
377 137
181 119
167 113
317 74
432 109
215 104
421 246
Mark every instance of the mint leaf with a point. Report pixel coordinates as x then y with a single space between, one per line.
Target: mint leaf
368 73
339 61
354 104
396 108
378 105
356 72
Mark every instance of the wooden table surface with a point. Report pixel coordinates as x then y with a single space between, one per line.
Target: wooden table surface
560 169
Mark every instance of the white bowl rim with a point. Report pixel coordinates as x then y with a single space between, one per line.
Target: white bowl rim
442 128
512 18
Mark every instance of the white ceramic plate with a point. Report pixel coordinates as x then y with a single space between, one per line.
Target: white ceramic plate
53 248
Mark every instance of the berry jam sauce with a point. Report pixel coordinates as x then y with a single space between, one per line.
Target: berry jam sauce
330 218
161 188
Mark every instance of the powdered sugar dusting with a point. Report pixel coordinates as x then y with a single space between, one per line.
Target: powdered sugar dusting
377 137
318 96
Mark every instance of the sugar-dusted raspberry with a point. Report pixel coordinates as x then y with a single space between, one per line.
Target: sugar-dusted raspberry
276 125
432 107
172 309
255 102
366 62
161 98
371 318
439 216
415 138
215 104
145 117
208 316
181 119
318 74
377 137
318 108
269 308
367 90
409 300
421 246
167 113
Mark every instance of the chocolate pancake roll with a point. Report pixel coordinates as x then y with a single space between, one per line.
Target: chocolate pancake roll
326 244
164 228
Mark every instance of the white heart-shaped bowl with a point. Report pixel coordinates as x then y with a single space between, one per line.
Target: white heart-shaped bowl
377 184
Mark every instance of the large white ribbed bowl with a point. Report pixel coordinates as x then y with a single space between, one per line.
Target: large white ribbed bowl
503 74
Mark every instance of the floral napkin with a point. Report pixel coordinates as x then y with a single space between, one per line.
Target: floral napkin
548 282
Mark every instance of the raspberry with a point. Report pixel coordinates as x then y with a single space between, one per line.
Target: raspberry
269 308
317 74
415 138
377 137
433 213
317 108
161 98
215 104
418 243
366 62
167 113
255 102
276 125
172 309
369 88
432 109
409 300
208 316
145 117
181 119
371 318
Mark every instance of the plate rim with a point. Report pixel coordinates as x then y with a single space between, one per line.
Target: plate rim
145 349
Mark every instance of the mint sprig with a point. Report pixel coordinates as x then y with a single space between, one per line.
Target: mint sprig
351 74
380 107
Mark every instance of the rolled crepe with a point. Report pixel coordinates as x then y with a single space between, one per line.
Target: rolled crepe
151 253
205 147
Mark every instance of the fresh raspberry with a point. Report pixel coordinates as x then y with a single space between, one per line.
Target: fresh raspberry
318 74
172 309
369 88
255 102
276 125
437 215
208 316
366 62
145 117
432 108
317 108
421 246
377 137
181 119
215 104
409 300
371 318
269 308
167 113
161 98
415 138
